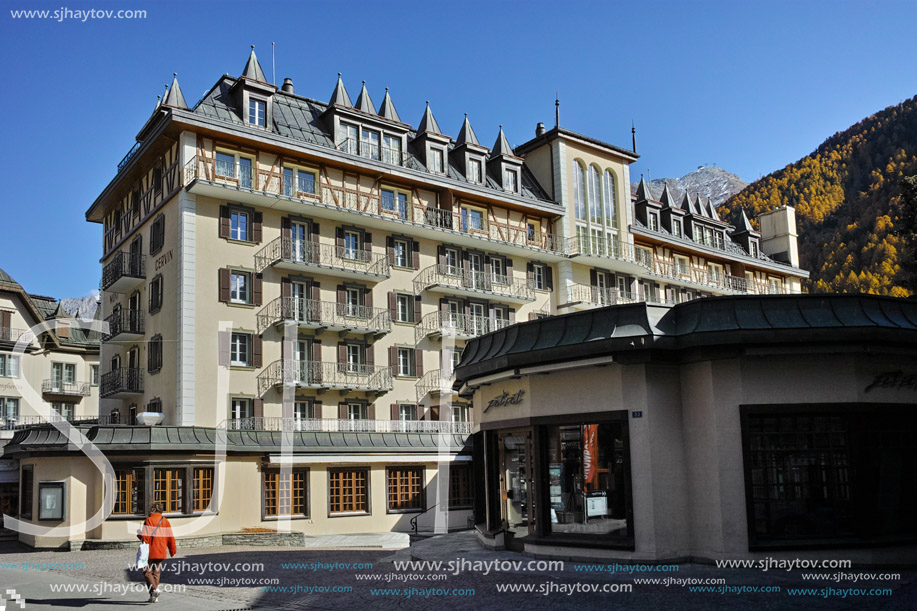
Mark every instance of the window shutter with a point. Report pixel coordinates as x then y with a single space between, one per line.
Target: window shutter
417 310
316 291
341 294
434 413
508 263
370 357
440 255
396 412
285 228
418 362
393 359
512 316
224 284
368 298
256 290
393 305
224 221
316 356
286 288
529 271
415 254
258 408
317 409
342 411
371 411
549 277
593 278
256 228
390 249
342 355
6 319
339 237
315 229
257 348
443 305
367 241
223 339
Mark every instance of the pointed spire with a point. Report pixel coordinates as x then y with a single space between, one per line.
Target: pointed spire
339 96
387 109
686 204
158 102
174 96
712 209
644 193
364 102
666 197
501 146
745 224
466 134
428 122
633 135
253 68
699 205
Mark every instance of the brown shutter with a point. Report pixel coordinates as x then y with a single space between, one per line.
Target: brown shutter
342 355
315 228
224 284
317 409
393 359
529 271
339 237
396 412
415 254
258 408
434 413
417 309
257 349
390 249
371 411
367 241
370 357
443 305
341 294
223 339
316 291
285 228
316 357
549 277
440 255
393 305
256 228
286 239
342 411
593 278
418 362
508 264
286 288
368 298
224 221
257 289
6 320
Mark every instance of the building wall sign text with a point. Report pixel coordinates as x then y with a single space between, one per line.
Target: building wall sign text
894 380
505 399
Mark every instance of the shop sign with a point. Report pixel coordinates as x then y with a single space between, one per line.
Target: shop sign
505 400
894 380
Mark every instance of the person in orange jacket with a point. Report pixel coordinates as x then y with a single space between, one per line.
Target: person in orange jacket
157 533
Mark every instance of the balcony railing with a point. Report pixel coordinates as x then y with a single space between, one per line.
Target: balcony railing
324 314
600 246
312 254
599 296
11 334
23 422
318 374
462 325
123 271
123 380
696 274
370 150
57 387
459 278
364 202
124 321
329 425
432 384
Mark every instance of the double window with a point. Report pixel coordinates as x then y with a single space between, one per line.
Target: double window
234 168
157 234
154 355
404 308
461 489
391 149
156 294
677 228
475 171
298 181
369 143
538 277
240 287
352 245
129 492
405 412
9 365
240 408
401 253
168 489
437 161
511 181
348 491
406 364
239 222
473 219
395 202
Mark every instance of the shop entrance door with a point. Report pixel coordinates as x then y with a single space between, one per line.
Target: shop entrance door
517 487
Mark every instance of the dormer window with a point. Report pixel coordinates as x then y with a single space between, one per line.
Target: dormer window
753 247
653 218
349 141
257 112
677 229
437 161
391 149
511 181
475 171
369 144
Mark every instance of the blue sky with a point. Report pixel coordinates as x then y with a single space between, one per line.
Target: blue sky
749 86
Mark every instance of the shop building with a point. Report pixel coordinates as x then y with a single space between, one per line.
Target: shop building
729 427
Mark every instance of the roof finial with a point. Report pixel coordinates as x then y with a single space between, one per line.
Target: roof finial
253 47
633 135
556 110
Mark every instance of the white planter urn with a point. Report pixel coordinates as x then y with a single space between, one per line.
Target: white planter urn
150 418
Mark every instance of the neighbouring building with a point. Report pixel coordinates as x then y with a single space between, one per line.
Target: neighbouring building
731 427
340 248
61 365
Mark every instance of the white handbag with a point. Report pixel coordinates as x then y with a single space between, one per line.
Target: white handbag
143 553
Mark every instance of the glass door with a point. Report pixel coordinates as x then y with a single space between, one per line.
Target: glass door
478 319
298 233
517 488
298 298
476 267
301 365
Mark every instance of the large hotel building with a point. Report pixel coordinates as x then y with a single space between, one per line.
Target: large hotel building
318 255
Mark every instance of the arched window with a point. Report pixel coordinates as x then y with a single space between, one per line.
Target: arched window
579 191
611 218
595 196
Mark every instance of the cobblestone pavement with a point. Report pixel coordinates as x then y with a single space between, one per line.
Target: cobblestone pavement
310 584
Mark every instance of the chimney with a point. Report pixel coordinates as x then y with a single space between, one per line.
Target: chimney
539 129
778 235
287 85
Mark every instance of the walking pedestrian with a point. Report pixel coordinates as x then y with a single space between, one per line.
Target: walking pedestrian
157 533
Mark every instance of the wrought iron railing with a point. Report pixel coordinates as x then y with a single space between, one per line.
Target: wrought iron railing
370 150
123 264
271 182
432 383
600 246
325 255
324 313
129 156
325 375
330 425
124 320
600 296
484 281
469 325
58 387
121 380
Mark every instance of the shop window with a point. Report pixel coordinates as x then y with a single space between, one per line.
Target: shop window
129 489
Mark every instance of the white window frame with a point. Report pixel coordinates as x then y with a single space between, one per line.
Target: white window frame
240 292
354 358
10 366
93 375
357 411
538 276
241 408
370 147
678 229
407 412
404 304
511 180
291 188
475 170
467 213
235 232
236 177
402 258
405 359
437 160
240 342
256 104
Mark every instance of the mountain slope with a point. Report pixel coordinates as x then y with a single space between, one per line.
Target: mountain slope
80 307
709 182
848 204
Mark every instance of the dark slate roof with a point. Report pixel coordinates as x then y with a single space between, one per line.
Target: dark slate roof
741 320
501 146
428 122
745 224
387 109
144 439
364 102
47 306
253 69
466 134
5 277
339 95
666 197
174 95
644 193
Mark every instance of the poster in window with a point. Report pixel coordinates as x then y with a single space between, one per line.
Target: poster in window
51 501
591 453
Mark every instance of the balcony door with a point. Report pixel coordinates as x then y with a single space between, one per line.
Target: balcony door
298 292
62 375
299 241
353 302
133 358
302 357
476 270
478 318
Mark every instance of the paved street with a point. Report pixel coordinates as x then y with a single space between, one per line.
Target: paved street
102 574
